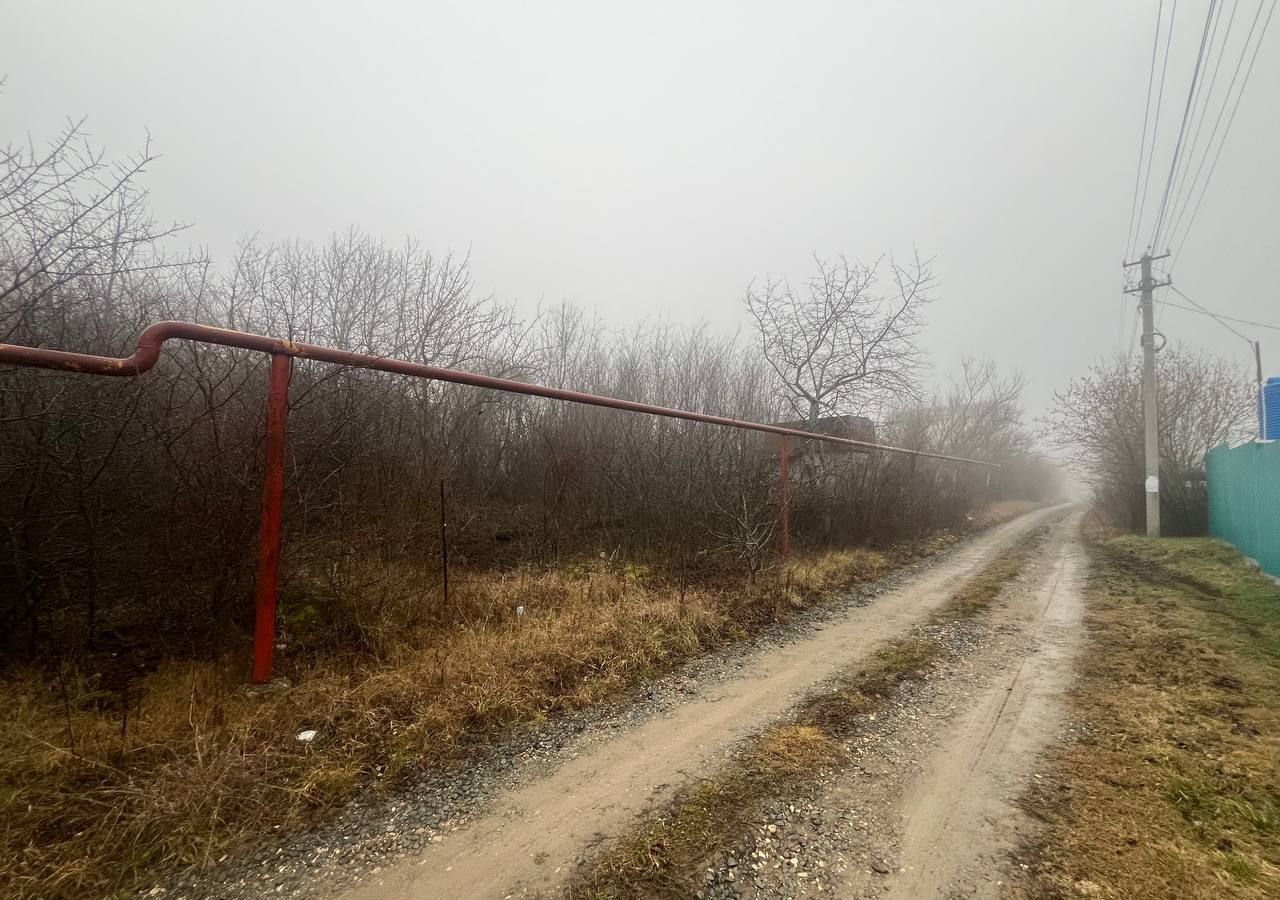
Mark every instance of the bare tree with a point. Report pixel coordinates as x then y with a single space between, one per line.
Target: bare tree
1096 423
745 531
981 414
67 214
840 344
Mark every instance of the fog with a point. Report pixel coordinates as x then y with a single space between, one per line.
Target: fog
651 160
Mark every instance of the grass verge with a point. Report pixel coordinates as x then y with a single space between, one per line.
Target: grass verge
99 792
667 856
1173 788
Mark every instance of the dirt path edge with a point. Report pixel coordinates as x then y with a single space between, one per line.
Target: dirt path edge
530 840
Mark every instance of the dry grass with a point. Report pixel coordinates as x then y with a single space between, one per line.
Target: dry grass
1174 788
90 804
825 571
667 856
979 592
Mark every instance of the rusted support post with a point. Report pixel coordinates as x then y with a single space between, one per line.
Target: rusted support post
444 547
264 628
784 493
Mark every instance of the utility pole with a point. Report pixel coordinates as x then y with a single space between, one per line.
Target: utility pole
1262 405
1150 407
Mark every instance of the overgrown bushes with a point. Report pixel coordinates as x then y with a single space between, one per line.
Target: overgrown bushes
129 509
1205 400
129 506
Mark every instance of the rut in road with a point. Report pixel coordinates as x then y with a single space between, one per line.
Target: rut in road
529 841
961 816
926 804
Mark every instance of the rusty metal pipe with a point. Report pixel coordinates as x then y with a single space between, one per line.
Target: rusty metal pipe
153 338
282 351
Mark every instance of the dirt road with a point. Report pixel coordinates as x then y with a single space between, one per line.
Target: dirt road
530 840
959 815
927 806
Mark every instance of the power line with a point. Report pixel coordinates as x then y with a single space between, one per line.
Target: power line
1132 234
1214 316
1244 84
1182 128
1179 202
1222 320
1217 123
1155 128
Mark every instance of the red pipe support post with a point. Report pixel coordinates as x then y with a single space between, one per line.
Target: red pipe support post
264 626
784 493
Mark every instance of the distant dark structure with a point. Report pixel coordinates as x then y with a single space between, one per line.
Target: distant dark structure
854 428
816 463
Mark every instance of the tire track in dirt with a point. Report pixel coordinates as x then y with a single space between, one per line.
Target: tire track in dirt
530 840
961 815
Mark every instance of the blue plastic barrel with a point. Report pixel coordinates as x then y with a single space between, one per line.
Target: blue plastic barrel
1270 401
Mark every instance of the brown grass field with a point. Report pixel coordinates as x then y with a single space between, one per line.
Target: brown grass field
92 802
1173 788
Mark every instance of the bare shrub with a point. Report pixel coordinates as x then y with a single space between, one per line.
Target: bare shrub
1204 400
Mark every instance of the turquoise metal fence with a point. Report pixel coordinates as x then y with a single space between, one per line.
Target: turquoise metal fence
1244 500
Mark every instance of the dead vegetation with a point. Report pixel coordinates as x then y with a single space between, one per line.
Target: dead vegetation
667 856
1173 788
128 509
95 794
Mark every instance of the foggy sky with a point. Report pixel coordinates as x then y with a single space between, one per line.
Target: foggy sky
651 159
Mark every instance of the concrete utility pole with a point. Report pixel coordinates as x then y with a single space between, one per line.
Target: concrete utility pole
1262 406
1150 407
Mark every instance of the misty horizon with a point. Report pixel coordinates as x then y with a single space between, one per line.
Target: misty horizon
652 165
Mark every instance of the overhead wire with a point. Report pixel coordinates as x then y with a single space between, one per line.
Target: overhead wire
1212 315
1187 164
1132 233
1186 189
1182 128
1221 319
1136 214
1155 128
1230 120
1160 309
1179 199
1203 91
